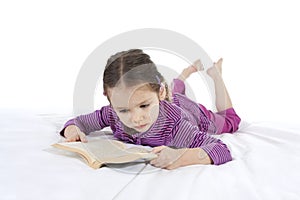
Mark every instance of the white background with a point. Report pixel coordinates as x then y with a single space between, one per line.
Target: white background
44 44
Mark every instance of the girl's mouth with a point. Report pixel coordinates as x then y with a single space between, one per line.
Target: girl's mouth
141 126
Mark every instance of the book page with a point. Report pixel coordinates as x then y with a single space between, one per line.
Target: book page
109 151
112 151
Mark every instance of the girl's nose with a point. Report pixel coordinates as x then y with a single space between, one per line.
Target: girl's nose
137 117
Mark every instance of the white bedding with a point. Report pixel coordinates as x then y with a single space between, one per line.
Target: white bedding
265 166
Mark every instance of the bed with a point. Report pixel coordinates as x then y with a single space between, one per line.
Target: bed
266 156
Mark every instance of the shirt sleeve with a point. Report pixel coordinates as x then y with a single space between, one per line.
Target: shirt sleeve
184 134
88 123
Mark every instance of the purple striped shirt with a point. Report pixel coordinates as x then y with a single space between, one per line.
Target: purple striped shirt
181 124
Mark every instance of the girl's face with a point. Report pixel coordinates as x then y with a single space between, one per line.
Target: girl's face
137 107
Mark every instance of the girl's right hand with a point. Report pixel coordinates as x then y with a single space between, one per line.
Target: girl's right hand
72 134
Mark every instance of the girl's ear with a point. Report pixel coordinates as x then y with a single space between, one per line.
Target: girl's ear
162 92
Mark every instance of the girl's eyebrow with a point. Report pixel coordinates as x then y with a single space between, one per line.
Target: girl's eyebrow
120 108
143 102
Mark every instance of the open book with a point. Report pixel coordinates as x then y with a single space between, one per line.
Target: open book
99 152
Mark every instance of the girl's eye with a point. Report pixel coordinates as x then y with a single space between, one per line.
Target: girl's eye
144 105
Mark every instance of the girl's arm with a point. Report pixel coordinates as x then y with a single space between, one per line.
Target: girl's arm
76 128
170 158
194 147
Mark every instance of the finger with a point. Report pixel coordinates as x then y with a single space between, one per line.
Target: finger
159 164
82 137
164 164
170 167
71 139
153 161
158 149
174 165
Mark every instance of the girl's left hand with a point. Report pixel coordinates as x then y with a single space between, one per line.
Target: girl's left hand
168 158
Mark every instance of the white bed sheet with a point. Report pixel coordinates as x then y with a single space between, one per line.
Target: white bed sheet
265 166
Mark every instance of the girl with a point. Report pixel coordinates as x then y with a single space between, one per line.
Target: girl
141 111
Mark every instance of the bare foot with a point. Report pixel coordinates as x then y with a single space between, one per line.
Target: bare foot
216 70
197 66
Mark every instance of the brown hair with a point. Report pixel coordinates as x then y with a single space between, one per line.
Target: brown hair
130 68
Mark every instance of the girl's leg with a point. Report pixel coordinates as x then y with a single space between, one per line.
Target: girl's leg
197 66
226 120
223 101
178 86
